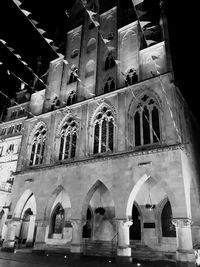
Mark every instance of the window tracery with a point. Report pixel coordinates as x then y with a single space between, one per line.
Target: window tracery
103 131
146 122
68 140
38 146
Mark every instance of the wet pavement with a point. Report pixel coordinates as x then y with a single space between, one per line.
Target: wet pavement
29 259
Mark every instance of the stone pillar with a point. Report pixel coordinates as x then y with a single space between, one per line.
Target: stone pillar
123 249
31 229
9 242
39 244
184 251
76 243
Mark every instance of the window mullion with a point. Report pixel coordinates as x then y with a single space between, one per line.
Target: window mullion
70 144
35 152
107 135
100 135
64 144
141 127
150 125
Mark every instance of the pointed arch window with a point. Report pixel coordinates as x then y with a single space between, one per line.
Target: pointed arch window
58 220
103 131
131 77
146 122
38 146
168 229
109 85
68 140
109 62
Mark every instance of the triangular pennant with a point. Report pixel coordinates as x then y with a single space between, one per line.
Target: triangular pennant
41 31
17 2
67 13
150 42
11 49
18 56
137 2
8 72
34 21
54 47
105 40
24 62
3 42
1 63
96 23
26 13
48 40
91 14
117 61
144 23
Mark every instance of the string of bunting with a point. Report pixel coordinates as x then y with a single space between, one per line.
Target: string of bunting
34 23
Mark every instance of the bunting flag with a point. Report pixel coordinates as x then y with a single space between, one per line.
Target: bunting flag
17 2
34 21
24 62
1 63
3 42
150 42
11 49
18 56
41 31
105 40
26 13
48 40
144 23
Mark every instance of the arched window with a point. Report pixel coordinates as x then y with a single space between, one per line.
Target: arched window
103 131
73 75
57 220
109 85
131 77
71 98
68 140
38 146
168 229
146 122
109 62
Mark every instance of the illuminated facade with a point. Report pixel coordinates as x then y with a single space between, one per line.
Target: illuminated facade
107 164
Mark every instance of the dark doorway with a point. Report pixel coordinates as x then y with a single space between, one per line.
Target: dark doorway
135 228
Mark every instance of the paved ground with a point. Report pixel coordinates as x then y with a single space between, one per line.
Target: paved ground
28 259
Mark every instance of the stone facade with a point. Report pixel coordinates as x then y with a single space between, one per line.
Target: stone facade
110 159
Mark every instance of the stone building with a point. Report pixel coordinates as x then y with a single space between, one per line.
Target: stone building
108 164
10 140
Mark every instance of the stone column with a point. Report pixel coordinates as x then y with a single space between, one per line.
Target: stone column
9 242
31 229
123 249
39 244
184 239
76 243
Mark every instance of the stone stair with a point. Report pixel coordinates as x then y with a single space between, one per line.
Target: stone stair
99 248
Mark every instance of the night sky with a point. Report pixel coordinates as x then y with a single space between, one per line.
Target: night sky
23 37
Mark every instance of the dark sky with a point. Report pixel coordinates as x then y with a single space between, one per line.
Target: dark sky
22 36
